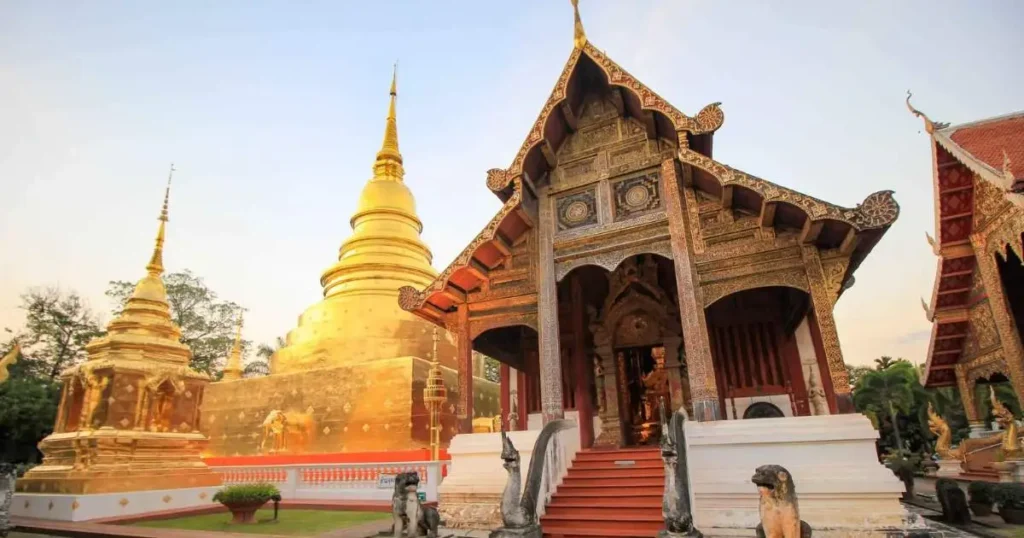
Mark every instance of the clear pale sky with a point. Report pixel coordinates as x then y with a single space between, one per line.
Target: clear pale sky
272 113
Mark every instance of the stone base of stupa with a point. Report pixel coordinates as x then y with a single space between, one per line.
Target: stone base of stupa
373 406
112 461
82 507
842 488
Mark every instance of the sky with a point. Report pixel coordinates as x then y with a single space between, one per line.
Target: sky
273 111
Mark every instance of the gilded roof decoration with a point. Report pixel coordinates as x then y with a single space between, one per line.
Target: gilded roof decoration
708 120
878 210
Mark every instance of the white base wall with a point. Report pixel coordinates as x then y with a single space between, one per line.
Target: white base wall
840 484
70 507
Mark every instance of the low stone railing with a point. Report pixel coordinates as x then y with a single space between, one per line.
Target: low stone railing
338 481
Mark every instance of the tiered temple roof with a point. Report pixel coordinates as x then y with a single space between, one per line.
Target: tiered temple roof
854 230
977 189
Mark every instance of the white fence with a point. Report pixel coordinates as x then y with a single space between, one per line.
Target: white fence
337 481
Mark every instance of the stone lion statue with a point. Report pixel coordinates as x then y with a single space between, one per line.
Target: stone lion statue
780 513
409 515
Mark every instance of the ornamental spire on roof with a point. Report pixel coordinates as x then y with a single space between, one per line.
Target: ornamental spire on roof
389 160
156 261
929 125
579 37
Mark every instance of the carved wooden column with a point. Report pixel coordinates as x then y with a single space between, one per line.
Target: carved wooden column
505 391
547 314
1013 351
700 369
584 372
464 360
966 389
673 369
826 325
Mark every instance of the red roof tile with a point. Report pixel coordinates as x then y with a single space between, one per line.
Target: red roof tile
987 140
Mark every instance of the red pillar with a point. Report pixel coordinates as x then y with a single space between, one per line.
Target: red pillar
584 403
506 404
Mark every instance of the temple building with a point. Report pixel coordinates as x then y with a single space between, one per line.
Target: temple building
128 416
627 266
351 375
977 302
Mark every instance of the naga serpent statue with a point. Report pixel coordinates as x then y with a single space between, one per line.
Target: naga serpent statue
943 437
1011 444
675 504
519 513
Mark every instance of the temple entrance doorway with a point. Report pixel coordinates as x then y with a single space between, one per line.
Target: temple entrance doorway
1011 274
646 388
622 342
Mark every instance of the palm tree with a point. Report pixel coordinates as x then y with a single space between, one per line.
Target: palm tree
261 366
885 362
888 390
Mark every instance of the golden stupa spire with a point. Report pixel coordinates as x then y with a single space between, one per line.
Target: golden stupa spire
156 262
579 37
233 368
389 160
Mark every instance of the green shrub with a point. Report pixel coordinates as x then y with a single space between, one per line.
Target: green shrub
1009 495
980 492
247 493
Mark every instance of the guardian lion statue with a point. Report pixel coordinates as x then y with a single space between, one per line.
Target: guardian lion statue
409 515
780 513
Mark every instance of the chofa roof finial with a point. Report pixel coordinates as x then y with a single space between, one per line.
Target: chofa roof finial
579 38
929 125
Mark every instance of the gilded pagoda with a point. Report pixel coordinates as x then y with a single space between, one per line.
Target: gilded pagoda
626 264
977 302
351 375
128 418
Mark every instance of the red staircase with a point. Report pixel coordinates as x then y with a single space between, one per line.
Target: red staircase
608 493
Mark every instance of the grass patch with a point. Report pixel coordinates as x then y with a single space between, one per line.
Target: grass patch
289 522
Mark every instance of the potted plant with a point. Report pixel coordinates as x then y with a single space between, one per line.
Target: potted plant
981 500
1010 498
243 500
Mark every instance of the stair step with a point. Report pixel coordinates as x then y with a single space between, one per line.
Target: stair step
643 472
620 455
617 501
593 513
617 482
610 464
638 529
616 492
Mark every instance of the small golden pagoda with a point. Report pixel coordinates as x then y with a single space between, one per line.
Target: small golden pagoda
128 415
351 375
233 368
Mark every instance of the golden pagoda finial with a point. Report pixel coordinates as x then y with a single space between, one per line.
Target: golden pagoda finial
156 262
433 353
389 159
233 368
579 38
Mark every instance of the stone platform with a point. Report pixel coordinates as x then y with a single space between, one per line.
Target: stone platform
842 487
82 507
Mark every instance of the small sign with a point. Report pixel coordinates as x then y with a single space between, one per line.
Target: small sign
386 481
422 495
625 462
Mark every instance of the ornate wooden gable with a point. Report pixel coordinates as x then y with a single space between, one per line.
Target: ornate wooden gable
977 215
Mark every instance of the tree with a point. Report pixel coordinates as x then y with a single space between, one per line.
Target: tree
28 408
58 325
855 373
261 365
207 323
884 362
888 391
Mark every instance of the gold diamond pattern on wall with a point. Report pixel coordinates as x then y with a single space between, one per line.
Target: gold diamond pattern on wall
366 428
129 389
74 505
188 394
202 495
327 430
387 427
347 407
166 499
636 195
124 423
309 410
241 415
576 210
111 400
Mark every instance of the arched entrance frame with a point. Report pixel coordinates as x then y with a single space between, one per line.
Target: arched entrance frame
636 311
519 378
781 356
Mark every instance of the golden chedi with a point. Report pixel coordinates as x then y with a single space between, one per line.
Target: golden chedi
351 375
128 416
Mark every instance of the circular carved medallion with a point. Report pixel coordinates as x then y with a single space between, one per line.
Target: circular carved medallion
637 196
576 212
